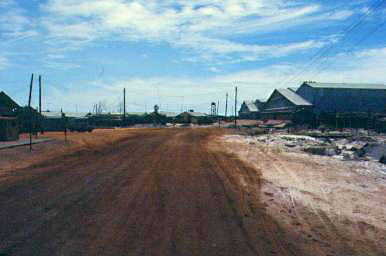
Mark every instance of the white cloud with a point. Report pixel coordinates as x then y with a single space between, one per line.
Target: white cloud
78 31
203 25
214 69
340 15
172 93
14 23
3 62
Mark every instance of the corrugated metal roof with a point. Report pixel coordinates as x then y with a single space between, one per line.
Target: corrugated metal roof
293 97
58 114
196 114
76 114
347 85
134 113
7 101
294 89
168 114
52 114
252 106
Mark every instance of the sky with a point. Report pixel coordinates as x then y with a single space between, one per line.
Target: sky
184 54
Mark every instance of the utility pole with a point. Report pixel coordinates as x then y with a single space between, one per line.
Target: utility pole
124 105
226 106
236 107
30 112
40 104
40 95
218 116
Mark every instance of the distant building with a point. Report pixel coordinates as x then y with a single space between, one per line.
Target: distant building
9 125
8 107
344 97
325 101
285 104
135 113
251 109
52 121
193 117
9 128
57 120
168 114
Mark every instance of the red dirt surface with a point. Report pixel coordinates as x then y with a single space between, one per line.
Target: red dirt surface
152 192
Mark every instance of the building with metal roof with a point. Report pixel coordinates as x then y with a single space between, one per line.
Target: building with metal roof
77 115
168 114
135 113
7 105
344 97
9 123
52 114
285 104
59 114
9 128
251 109
293 97
193 117
346 85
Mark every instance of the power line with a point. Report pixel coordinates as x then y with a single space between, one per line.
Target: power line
323 68
323 52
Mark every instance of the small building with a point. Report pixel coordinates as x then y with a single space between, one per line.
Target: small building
168 114
52 121
285 104
251 109
9 128
9 124
193 118
77 115
8 107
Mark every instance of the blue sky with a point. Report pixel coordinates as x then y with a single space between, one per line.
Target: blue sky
184 54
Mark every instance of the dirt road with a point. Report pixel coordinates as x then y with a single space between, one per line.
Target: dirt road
155 192
165 192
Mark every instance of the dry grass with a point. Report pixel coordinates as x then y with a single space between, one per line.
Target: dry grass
20 157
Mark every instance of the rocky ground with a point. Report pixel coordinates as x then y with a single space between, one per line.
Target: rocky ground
333 206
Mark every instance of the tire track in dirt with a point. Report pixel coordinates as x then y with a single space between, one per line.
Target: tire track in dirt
160 192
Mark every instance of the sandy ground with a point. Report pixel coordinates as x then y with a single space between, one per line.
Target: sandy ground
334 207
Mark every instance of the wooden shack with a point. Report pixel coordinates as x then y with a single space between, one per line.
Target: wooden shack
9 125
194 118
9 128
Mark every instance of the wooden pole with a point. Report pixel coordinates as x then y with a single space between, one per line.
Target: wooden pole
40 104
40 95
236 107
124 105
226 106
30 112
218 116
65 129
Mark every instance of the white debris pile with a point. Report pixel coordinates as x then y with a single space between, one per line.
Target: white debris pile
289 140
360 148
296 142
